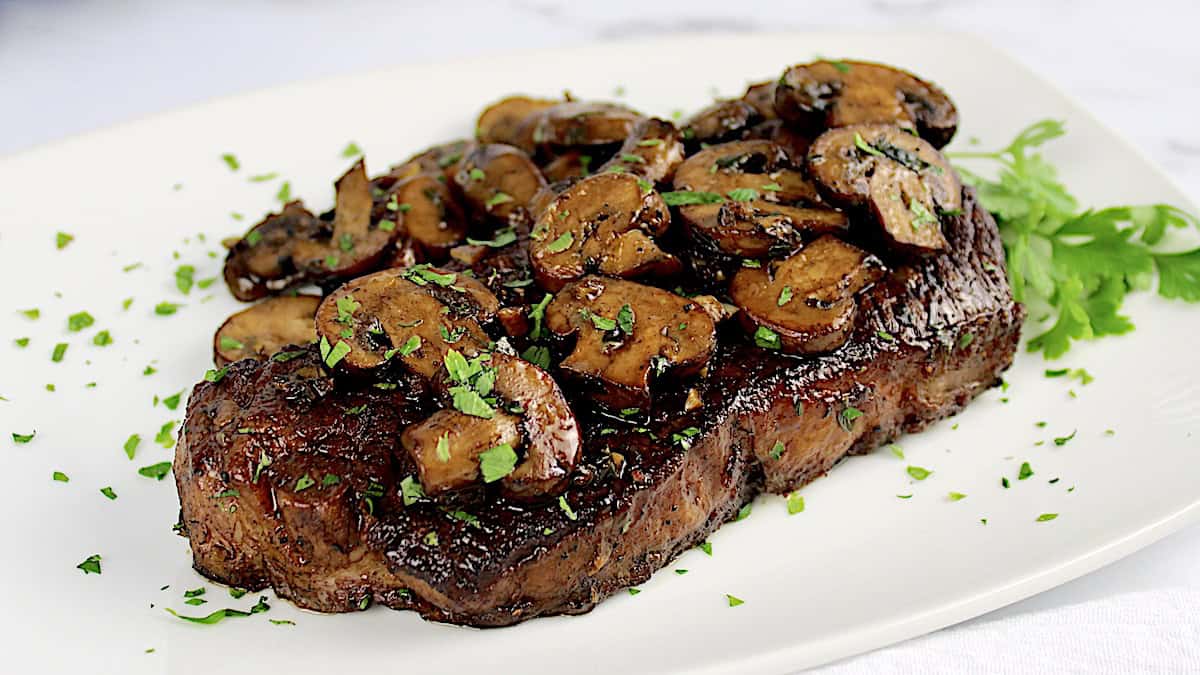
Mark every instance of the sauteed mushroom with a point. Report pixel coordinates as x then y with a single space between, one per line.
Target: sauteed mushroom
499 181
805 304
625 331
602 223
760 204
430 214
653 151
906 183
831 94
510 121
265 328
415 315
722 121
294 247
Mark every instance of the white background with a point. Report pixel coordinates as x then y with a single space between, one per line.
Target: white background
71 67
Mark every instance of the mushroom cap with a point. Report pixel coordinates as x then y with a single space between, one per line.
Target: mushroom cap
902 180
576 123
771 205
663 331
263 329
377 316
604 222
498 182
510 120
294 247
830 94
807 299
653 150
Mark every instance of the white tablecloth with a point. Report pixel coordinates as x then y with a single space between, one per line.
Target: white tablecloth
69 67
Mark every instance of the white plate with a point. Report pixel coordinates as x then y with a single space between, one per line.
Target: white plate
857 570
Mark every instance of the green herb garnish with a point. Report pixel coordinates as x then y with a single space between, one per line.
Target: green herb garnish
90 565
918 473
1079 266
497 462
687 197
157 471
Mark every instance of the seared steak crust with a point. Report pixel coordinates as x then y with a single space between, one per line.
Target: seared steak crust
930 338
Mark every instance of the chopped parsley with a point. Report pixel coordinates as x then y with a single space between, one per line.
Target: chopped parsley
351 150
231 161
411 490
216 375
776 450
333 355
956 496
108 492
785 296
78 321
566 508
497 462
222 614
795 503
131 445
687 197
157 471
90 565
497 199
743 194
60 350
22 439
1063 440
766 338
1046 516
562 243
285 192
228 343
918 473
896 450
847 416
60 477
62 239
1025 472
166 308
165 436
734 601
102 339
744 512
503 238
304 482
172 401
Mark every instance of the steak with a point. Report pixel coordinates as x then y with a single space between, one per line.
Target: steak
292 478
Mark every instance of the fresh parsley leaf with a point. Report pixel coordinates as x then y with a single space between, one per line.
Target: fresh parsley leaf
1025 472
503 238
734 601
743 194
1046 516
108 492
766 338
78 321
561 243
411 490
1080 265
131 445
231 161
351 150
795 503
62 240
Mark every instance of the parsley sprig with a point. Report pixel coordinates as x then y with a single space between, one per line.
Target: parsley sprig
1076 265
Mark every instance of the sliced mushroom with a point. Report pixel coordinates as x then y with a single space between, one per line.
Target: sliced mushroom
904 181
807 300
830 94
265 328
722 121
429 214
414 315
531 416
499 181
761 95
602 223
653 151
294 247
571 164
446 447
765 205
784 135
626 330
511 121
577 123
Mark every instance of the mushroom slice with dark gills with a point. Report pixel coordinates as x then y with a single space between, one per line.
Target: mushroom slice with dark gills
432 220
414 315
265 328
603 223
720 122
511 121
499 182
577 123
829 94
806 303
653 150
294 247
625 331
748 199
902 180
512 425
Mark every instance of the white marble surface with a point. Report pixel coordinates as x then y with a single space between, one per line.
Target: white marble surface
70 67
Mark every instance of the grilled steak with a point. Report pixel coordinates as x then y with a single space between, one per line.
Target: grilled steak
294 479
